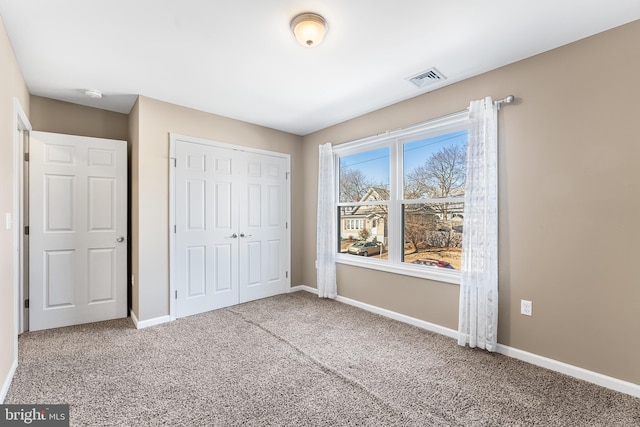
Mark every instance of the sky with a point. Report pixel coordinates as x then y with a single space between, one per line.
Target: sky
375 163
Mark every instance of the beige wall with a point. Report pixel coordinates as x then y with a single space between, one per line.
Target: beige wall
150 222
11 86
569 202
50 115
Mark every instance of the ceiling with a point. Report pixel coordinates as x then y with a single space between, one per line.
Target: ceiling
239 58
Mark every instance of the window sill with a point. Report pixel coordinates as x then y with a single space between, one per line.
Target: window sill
423 272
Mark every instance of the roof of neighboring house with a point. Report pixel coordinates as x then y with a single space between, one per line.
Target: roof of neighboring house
375 194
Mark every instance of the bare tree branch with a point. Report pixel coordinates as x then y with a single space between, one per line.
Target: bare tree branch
354 184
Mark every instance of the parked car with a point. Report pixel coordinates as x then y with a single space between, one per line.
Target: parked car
432 263
364 248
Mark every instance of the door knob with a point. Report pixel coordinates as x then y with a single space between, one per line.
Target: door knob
234 236
120 239
245 235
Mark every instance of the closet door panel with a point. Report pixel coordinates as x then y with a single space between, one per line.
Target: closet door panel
231 212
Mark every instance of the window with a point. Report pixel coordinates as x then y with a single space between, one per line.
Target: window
363 187
401 199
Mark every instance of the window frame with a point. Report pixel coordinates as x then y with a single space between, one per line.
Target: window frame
395 140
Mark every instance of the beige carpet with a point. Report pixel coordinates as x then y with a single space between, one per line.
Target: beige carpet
296 360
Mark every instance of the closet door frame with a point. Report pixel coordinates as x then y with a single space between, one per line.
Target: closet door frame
173 140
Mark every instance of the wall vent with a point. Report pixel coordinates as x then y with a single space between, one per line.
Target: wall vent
428 77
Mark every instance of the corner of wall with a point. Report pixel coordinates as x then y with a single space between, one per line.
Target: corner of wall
133 218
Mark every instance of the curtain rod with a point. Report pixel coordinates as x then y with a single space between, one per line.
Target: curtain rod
509 99
506 100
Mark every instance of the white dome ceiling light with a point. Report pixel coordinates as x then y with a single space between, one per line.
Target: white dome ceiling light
309 29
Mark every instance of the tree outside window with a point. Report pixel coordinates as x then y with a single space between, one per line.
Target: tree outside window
435 168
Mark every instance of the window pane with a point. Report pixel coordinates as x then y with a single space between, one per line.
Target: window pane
433 234
363 230
435 167
365 176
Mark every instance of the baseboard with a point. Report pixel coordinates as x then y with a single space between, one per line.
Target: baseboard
386 313
544 362
571 370
303 288
7 381
141 324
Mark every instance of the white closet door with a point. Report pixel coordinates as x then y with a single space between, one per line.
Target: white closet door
231 235
263 233
78 230
206 228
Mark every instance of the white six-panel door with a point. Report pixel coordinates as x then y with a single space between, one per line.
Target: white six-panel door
206 220
262 225
78 230
231 232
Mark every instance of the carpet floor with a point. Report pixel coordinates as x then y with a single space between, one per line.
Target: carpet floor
296 360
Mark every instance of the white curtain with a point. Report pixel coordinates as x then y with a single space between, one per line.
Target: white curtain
478 320
327 223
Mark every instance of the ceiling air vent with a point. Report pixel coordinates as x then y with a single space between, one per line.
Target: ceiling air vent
428 77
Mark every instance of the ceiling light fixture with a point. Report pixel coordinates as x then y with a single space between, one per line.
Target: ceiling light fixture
92 93
309 29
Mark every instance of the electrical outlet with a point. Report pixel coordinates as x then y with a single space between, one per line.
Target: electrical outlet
526 307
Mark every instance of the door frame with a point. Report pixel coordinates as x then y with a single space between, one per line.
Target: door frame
21 127
173 139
